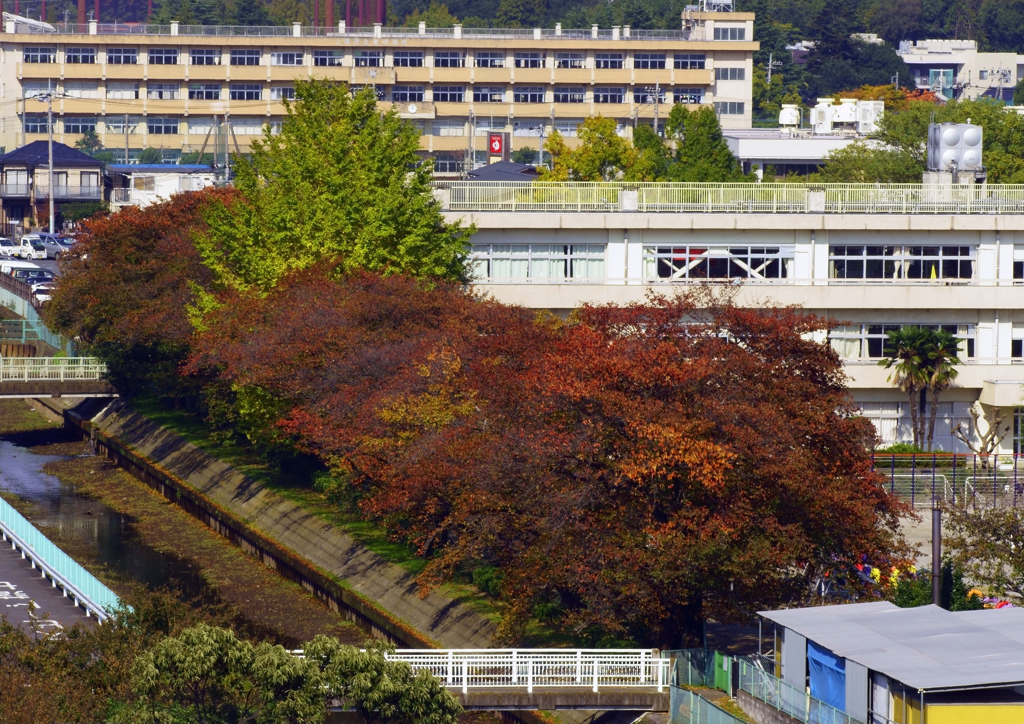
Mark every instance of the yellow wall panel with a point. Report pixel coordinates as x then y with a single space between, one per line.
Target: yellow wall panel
974 714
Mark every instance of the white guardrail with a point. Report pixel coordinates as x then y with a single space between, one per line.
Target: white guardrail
56 369
530 668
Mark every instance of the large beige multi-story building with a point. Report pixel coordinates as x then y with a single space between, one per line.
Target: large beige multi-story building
172 87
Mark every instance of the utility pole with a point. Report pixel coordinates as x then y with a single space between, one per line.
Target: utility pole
896 80
125 139
937 548
49 143
657 98
772 64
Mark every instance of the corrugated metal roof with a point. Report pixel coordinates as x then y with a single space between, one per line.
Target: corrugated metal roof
927 648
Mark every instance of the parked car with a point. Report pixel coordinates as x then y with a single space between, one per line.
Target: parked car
33 276
31 247
54 245
11 266
7 247
43 292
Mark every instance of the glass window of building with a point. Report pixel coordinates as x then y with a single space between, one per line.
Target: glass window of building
649 61
200 125
868 341
609 95
247 126
117 123
408 58
204 91
568 127
489 59
163 56
449 93
554 262
449 59
205 56
649 94
692 262
328 58
918 263
407 93
286 58
569 94
689 61
282 93
729 108
33 88
122 56
529 60
449 127
528 94
488 94
39 55
246 92
35 123
162 91
609 60
162 126
1018 263
368 58
119 90
447 163
81 89
730 33
687 95
354 90
570 60
245 57
83 124
730 73
80 55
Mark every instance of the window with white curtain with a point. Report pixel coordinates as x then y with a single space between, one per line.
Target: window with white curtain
81 89
554 262
868 341
122 91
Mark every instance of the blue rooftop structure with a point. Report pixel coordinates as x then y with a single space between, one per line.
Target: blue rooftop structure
127 168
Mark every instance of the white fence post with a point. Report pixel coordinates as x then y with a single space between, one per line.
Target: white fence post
529 675
451 664
465 676
596 663
515 666
579 667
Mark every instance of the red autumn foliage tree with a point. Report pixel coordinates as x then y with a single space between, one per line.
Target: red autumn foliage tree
125 288
630 472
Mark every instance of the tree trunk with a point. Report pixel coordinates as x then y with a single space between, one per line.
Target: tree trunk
691 616
931 416
913 416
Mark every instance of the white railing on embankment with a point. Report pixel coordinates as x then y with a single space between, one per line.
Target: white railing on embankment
530 668
53 369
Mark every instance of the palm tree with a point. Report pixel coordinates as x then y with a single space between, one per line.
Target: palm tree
940 371
906 353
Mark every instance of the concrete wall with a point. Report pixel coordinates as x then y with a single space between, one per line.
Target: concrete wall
760 712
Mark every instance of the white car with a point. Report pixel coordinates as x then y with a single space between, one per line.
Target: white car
7 247
43 292
31 248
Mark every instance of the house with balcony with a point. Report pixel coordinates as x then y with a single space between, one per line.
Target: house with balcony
25 192
145 184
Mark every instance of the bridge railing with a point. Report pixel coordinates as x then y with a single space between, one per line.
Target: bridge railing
57 565
531 668
733 198
28 330
53 369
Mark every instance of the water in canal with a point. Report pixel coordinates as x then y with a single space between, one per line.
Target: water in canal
98 531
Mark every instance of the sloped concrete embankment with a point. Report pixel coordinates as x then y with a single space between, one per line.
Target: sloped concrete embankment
380 596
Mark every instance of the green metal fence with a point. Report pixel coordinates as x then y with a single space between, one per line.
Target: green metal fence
28 330
685 707
739 198
55 563
788 699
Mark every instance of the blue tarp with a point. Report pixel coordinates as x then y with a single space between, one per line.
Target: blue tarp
828 676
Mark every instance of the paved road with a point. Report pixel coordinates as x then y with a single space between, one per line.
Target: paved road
21 583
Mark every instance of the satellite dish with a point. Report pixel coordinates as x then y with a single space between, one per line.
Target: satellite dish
412 108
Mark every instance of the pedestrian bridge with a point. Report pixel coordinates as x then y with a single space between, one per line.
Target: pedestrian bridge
548 679
53 377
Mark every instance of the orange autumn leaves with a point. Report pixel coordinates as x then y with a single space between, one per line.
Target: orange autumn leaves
630 471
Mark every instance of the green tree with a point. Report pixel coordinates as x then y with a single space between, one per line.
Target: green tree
193 158
341 180
435 16
911 591
250 12
652 157
988 543
1018 93
89 142
520 13
525 155
702 155
206 674
602 155
1002 22
378 689
906 354
940 367
868 163
151 155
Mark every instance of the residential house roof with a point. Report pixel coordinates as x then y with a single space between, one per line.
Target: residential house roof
36 154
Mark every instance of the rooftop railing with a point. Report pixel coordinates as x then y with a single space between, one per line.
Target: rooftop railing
735 198
288 31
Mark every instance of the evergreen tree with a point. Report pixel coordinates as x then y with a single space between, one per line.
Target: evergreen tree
251 12
703 155
520 13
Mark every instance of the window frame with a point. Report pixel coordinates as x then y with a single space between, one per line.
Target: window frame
327 56
37 121
491 58
278 57
567 60
202 91
730 34
158 92
243 89
117 56
242 56
689 61
690 262
649 61
408 58
282 93
213 55
449 58
35 53
162 123
401 93
116 87
530 91
569 94
448 91
902 263
529 59
88 123
578 262
609 94
728 74
80 52
730 108
368 58
609 61
480 91
159 56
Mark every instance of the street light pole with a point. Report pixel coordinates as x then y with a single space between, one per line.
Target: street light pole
49 128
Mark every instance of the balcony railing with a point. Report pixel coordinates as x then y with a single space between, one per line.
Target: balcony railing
121 196
739 198
84 193
287 31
